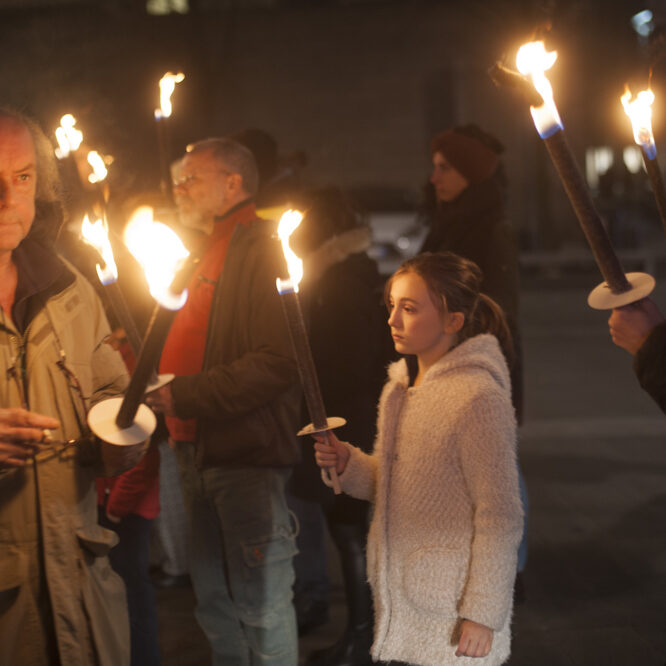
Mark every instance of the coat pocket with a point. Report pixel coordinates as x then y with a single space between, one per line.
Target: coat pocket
104 596
433 579
13 569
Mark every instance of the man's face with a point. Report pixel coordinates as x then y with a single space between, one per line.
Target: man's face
201 190
18 180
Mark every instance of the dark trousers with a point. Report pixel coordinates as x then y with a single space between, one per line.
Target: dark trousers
130 560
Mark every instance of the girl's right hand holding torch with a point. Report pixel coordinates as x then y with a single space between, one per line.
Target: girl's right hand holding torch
330 451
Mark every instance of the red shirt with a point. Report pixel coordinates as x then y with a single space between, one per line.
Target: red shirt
184 349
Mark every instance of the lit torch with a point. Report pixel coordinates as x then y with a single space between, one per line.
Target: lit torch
288 290
167 268
618 289
639 111
97 235
97 178
69 139
167 86
68 136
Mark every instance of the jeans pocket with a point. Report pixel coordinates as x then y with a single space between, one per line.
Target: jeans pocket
268 575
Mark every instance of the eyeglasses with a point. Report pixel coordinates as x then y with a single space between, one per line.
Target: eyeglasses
186 181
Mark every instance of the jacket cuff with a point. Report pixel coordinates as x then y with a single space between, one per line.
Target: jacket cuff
182 391
358 479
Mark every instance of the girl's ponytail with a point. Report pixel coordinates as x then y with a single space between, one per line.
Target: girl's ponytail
488 317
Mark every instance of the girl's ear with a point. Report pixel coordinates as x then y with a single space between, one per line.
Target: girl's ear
454 323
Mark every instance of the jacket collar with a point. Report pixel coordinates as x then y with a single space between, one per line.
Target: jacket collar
480 352
335 250
40 274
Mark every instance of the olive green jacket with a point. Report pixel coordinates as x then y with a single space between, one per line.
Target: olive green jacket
51 547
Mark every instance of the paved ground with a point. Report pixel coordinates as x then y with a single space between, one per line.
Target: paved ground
593 451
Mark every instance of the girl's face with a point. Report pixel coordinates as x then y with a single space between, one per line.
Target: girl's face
448 182
417 326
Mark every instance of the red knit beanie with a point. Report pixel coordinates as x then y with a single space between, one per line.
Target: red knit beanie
466 154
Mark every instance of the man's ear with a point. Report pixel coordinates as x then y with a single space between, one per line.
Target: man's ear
455 321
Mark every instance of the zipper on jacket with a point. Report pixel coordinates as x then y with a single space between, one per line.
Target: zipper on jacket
17 366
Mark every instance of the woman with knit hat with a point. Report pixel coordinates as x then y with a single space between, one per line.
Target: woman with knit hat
465 209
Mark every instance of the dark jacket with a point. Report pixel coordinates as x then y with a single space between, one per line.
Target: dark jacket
246 399
650 365
474 226
351 347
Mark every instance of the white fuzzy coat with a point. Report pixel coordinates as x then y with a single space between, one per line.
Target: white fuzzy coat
447 514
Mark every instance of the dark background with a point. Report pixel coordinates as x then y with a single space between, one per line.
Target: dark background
359 86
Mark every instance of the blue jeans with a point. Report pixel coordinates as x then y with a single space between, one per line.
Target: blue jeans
130 560
242 542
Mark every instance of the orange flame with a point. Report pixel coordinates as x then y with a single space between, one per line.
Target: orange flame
167 86
97 235
533 60
639 111
69 138
99 170
288 224
160 252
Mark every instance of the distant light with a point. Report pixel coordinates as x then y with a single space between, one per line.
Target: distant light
632 158
597 161
164 7
403 243
643 22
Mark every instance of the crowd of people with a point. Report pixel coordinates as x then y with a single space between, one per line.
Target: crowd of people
430 529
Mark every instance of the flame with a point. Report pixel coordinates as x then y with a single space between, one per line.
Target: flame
533 60
288 224
99 170
97 235
640 112
160 252
69 138
167 86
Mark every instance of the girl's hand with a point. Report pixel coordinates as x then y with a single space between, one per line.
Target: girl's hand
330 451
475 639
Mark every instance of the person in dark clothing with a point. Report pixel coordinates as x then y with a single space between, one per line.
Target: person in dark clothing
640 328
465 208
342 292
233 410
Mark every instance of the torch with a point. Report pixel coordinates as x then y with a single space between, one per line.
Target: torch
97 177
163 256
97 234
618 289
639 111
167 86
288 290
69 139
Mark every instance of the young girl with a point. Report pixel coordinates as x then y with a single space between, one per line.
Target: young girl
447 517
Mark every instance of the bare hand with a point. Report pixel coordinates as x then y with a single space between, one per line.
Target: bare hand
630 325
330 451
161 400
475 639
21 433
